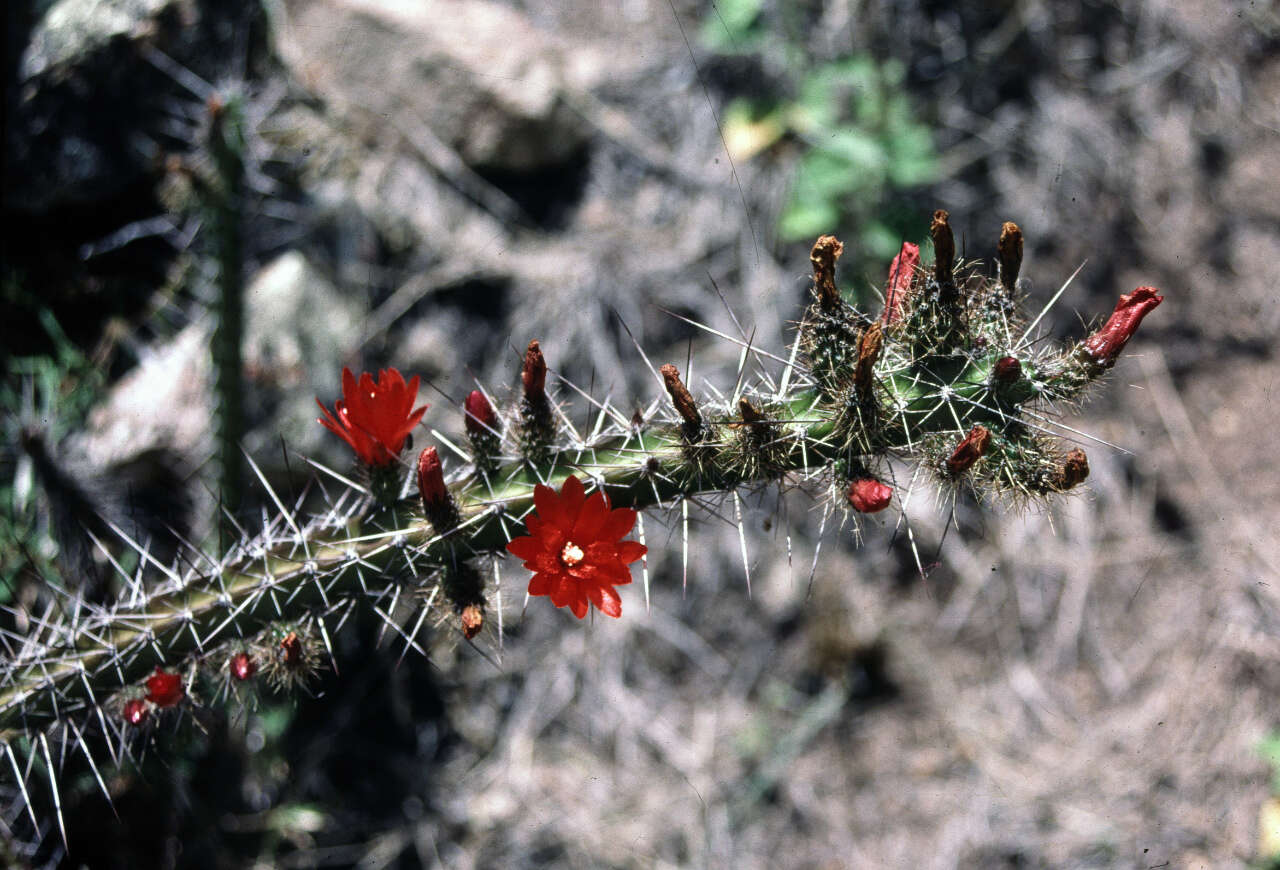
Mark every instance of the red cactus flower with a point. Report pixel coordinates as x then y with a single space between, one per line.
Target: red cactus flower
1104 346
868 495
374 418
243 667
901 272
481 418
135 711
575 548
164 689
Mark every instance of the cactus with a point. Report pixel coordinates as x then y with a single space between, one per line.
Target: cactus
947 378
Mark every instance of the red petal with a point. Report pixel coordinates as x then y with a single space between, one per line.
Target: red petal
542 584
572 497
579 607
548 505
609 602
630 551
591 519
619 523
524 548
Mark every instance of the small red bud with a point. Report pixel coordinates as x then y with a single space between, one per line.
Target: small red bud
431 481
534 373
164 689
1007 370
135 711
970 450
868 495
481 418
472 620
901 273
243 666
1104 346
291 650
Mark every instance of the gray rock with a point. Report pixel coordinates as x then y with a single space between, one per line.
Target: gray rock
479 76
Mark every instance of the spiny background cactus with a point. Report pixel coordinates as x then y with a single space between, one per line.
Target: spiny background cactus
949 379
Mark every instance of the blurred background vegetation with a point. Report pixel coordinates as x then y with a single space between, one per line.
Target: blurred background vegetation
210 204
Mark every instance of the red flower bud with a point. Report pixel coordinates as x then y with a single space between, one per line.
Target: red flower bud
135 711
534 373
242 666
481 418
472 620
1007 370
970 450
1104 346
1009 251
901 272
164 689
868 495
431 480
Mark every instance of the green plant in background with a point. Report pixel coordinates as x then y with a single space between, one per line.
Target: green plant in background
1269 814
44 399
861 147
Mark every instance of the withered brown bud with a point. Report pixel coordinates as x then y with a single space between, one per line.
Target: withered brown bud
472 620
944 246
751 416
1073 471
534 374
291 650
970 450
1009 252
1007 370
680 396
869 347
823 257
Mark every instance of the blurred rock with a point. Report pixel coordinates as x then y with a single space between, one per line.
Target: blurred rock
479 76
162 403
299 331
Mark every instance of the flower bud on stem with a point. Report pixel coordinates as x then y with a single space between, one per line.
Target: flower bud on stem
537 428
692 430
969 451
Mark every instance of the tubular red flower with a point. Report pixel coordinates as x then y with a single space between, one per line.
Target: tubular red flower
533 377
431 480
374 418
481 418
901 273
575 548
1104 346
164 689
868 495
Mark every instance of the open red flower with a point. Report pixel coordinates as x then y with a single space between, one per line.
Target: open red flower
374 418
164 689
575 548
